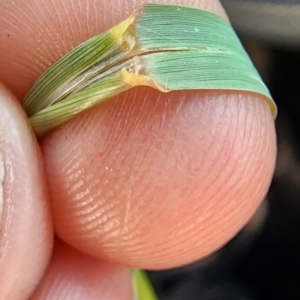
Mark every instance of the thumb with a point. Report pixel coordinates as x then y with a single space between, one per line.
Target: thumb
25 227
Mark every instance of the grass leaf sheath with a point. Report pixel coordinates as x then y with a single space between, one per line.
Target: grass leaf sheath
167 47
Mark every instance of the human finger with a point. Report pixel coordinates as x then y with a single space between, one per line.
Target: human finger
25 222
72 274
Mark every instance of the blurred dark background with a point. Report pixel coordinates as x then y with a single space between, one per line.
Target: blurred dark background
263 260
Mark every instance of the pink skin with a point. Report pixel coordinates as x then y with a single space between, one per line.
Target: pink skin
83 277
145 180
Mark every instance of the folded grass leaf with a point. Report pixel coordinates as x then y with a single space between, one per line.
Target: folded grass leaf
167 47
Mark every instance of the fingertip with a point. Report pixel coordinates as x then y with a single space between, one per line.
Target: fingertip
156 180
